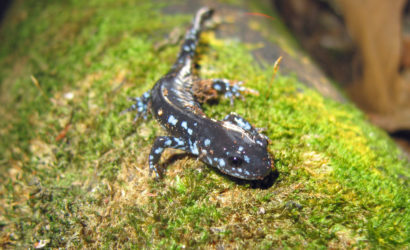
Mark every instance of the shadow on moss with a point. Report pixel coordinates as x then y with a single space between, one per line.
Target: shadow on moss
266 183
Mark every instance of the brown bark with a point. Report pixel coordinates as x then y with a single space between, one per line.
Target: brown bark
376 27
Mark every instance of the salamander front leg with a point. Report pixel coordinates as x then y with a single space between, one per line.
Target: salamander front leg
245 125
241 122
140 104
161 143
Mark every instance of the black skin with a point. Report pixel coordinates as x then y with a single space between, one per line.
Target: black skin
232 145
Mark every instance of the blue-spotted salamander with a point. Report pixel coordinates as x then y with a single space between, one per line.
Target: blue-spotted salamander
232 145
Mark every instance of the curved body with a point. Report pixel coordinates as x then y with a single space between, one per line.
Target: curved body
233 146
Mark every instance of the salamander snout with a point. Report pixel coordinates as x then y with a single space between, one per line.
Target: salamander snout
249 161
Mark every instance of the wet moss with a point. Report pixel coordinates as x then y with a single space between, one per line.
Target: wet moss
75 172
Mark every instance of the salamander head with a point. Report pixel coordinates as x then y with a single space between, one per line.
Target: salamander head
240 153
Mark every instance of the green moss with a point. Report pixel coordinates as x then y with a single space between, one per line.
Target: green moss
75 172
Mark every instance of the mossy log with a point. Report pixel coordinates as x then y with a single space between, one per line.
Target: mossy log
74 171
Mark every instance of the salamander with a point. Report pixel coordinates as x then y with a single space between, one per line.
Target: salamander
233 145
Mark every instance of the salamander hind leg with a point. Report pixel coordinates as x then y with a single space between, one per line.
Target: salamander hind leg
140 104
206 90
160 144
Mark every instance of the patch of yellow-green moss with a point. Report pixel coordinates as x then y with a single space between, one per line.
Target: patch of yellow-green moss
74 170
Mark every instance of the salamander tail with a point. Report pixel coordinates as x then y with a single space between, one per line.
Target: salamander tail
192 36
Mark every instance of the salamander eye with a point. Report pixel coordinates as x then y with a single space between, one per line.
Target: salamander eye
235 161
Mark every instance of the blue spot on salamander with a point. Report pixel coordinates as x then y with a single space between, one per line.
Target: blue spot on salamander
221 162
158 150
194 148
246 158
243 124
179 142
168 142
217 87
172 120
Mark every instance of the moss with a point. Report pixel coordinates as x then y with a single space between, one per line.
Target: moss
75 173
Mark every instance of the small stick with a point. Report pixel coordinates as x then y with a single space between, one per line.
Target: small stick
275 70
37 84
